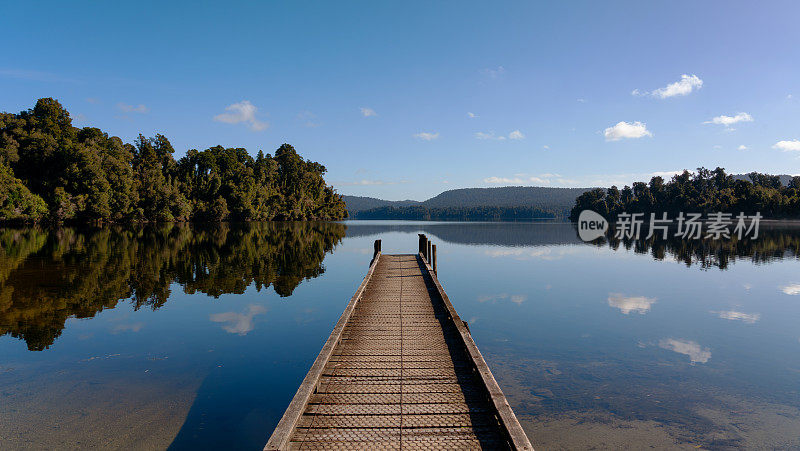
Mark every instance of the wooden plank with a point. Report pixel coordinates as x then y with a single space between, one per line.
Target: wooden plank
285 428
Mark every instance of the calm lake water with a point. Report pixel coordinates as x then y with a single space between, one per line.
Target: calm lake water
177 336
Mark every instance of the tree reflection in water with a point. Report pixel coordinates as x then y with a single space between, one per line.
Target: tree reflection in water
773 243
47 276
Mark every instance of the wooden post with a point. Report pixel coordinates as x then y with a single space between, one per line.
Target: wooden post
429 251
377 248
434 260
422 240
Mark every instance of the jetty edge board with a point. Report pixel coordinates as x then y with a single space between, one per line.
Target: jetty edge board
283 431
504 423
517 437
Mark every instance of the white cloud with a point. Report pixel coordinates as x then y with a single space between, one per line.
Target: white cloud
238 323
742 147
696 353
490 135
682 87
125 108
581 100
427 136
506 180
730 120
243 111
787 146
494 73
665 174
582 182
792 289
626 130
471 115
527 179
734 315
546 147
628 304
514 135
367 112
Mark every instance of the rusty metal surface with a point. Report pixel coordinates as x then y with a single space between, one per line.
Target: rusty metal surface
400 377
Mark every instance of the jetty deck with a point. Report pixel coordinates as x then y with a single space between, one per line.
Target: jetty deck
399 371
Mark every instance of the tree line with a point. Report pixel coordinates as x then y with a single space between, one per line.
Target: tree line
704 191
52 171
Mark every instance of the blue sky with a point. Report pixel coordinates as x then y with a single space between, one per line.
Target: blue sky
405 100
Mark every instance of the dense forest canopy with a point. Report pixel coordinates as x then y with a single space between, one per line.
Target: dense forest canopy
50 170
704 191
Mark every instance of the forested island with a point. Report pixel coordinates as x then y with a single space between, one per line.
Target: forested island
54 172
704 191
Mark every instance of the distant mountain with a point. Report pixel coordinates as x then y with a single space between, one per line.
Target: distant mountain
785 178
470 202
507 196
359 203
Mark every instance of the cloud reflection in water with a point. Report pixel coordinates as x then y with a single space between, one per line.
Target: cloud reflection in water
238 323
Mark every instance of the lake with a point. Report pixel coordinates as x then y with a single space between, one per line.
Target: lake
178 336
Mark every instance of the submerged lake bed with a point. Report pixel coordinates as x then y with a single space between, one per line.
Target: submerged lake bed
198 336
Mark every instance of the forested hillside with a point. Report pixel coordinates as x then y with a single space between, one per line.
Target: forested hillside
704 191
423 213
506 203
360 203
508 196
52 171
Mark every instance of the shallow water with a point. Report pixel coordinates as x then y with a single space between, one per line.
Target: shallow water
179 336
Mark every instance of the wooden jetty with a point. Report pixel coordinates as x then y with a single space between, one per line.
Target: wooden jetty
399 371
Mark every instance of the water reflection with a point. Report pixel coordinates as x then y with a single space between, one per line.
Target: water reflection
628 304
773 243
238 323
589 341
792 289
696 353
734 315
546 241
47 276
